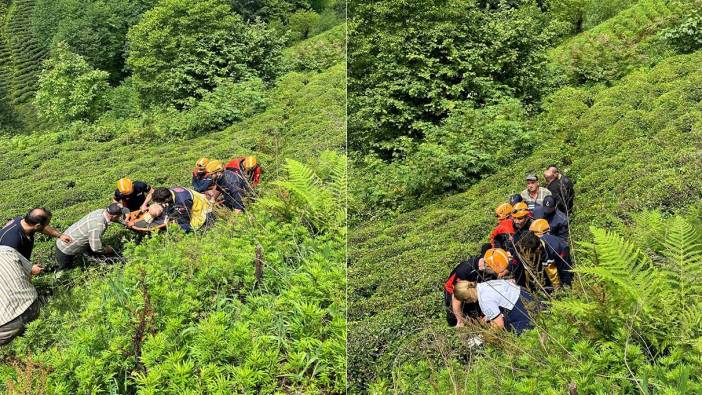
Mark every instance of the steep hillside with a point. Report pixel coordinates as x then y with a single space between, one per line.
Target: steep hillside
629 147
188 314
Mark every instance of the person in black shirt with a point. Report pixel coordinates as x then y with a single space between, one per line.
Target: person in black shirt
468 270
557 220
133 196
19 232
561 188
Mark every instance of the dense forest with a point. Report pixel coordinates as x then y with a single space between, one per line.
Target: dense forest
451 104
92 91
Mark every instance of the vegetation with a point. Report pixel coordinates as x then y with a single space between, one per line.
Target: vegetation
631 144
256 304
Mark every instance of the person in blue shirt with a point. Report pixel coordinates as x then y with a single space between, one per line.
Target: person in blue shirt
202 181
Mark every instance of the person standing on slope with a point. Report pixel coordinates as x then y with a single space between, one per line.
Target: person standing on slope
534 194
561 188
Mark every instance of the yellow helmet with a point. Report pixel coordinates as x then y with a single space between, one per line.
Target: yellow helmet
125 186
465 291
249 162
215 166
539 227
520 210
497 259
503 211
202 163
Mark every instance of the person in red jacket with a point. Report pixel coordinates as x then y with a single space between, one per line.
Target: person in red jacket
246 166
504 230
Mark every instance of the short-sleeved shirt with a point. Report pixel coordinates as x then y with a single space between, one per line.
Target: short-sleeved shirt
12 235
85 233
495 294
134 200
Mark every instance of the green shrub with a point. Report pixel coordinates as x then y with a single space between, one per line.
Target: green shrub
301 24
319 52
180 49
687 36
70 89
406 79
629 148
470 144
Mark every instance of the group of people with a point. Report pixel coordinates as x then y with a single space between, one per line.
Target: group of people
527 255
191 208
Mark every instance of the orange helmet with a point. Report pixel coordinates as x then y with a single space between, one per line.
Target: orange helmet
125 186
497 259
539 227
503 211
520 210
249 162
201 164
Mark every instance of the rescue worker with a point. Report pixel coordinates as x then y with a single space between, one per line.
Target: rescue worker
516 198
521 220
556 262
502 234
248 167
86 235
230 184
557 220
469 270
201 180
190 209
534 194
501 302
561 188
134 196
19 232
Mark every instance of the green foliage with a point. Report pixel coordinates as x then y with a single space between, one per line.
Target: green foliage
185 314
405 79
629 148
687 36
95 29
581 15
468 145
619 45
180 49
319 52
69 88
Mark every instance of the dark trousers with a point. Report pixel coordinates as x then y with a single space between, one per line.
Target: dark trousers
15 327
518 318
64 261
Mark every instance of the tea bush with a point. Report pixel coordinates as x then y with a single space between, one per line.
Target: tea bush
630 147
187 314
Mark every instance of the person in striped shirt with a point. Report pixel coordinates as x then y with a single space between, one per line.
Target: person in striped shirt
86 236
19 302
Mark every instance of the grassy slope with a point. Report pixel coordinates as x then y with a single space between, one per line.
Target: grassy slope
305 116
629 147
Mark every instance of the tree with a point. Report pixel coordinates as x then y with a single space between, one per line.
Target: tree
69 88
412 61
181 48
95 29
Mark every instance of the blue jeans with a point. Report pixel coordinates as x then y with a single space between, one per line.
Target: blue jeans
518 318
